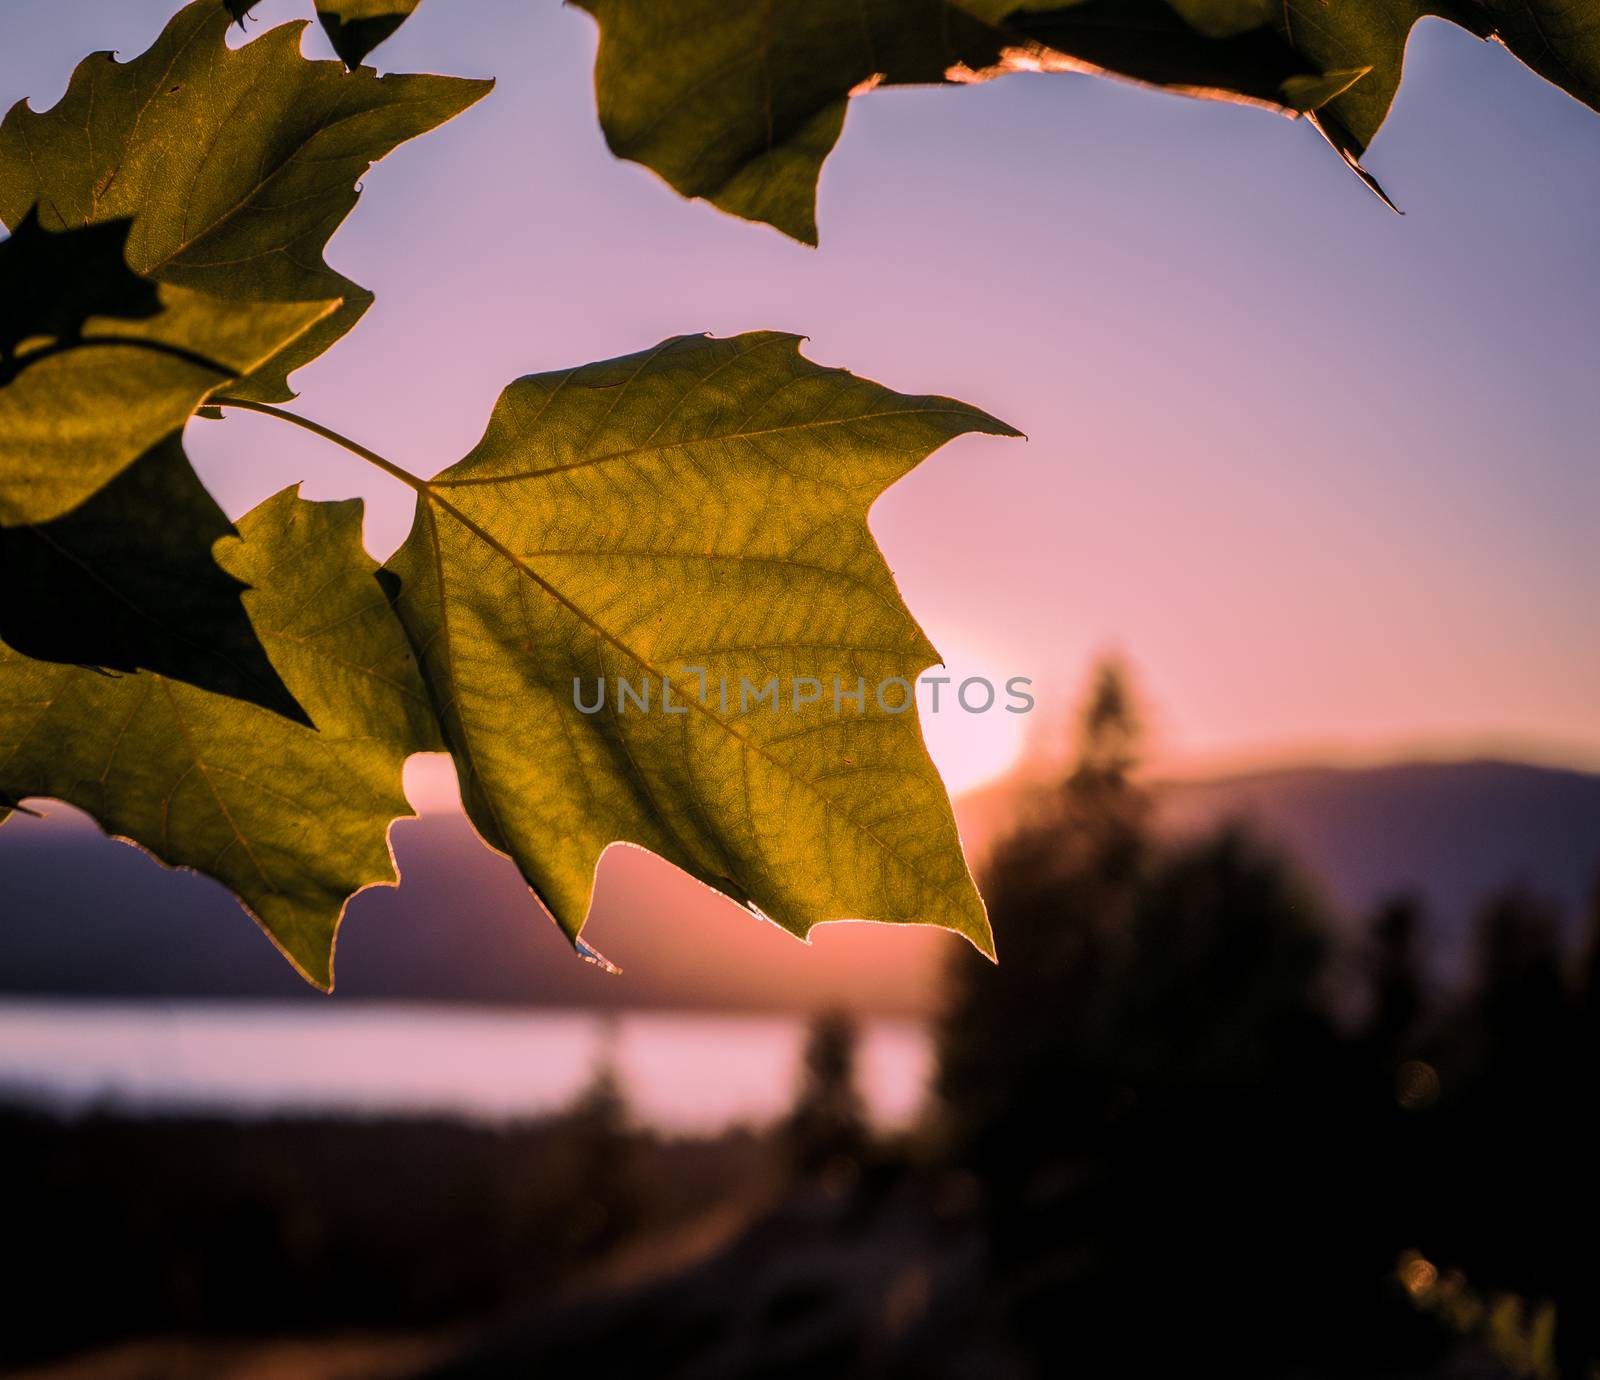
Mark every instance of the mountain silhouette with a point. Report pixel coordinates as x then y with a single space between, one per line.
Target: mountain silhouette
84 915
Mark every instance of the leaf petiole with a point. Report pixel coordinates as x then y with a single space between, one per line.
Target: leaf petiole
328 434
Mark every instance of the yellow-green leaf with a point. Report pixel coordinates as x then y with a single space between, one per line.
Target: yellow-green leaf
235 165
294 820
97 364
701 505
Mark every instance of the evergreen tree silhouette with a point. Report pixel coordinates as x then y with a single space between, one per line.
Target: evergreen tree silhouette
827 1125
1060 891
606 1150
1395 976
1180 1152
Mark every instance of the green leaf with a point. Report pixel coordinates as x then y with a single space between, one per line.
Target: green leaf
1356 47
703 504
293 820
1559 39
1311 93
100 365
356 27
127 582
235 165
741 104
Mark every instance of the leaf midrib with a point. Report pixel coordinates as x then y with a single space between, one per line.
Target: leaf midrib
661 447
427 491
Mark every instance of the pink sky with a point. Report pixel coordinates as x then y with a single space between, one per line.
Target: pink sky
1323 474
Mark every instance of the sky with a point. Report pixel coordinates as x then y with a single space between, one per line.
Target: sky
1324 475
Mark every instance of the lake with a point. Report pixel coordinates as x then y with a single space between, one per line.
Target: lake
683 1073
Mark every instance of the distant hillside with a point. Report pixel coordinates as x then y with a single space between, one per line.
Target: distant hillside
84 915
1452 831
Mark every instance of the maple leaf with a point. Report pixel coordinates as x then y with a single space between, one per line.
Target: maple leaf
235 165
127 582
293 820
742 104
99 364
683 519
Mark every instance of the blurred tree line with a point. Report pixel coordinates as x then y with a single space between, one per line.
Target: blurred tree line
1201 1138
1181 1125
1184 1123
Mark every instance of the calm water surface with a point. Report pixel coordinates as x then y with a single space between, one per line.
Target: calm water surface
683 1073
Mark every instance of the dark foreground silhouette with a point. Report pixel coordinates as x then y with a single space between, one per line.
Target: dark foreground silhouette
1180 1126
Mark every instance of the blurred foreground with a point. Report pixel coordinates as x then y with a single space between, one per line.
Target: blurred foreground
1182 1124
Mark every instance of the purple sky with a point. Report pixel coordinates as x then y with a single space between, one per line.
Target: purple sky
1324 474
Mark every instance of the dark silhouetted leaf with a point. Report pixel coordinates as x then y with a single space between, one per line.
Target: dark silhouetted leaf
703 504
100 364
235 165
1559 39
356 27
51 284
1151 41
127 582
740 104
293 820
